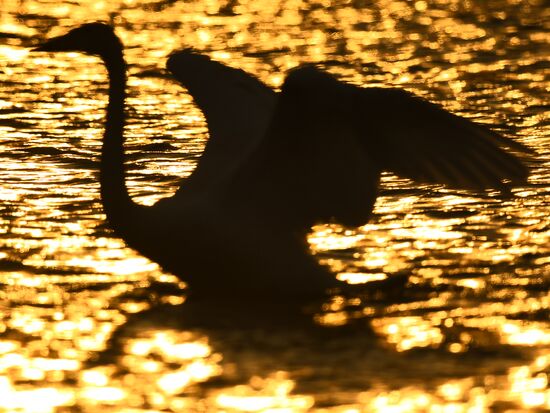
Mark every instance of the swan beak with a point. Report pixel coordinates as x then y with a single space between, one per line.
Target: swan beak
56 44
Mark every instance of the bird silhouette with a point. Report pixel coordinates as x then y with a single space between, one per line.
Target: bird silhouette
277 163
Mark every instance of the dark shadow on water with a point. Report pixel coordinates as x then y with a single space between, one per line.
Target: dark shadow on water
259 339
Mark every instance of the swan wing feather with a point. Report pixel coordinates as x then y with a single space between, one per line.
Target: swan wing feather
417 139
236 105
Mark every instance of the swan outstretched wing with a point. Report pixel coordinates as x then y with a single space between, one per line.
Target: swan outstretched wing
328 141
236 105
405 134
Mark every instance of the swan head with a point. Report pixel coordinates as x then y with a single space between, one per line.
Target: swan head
92 38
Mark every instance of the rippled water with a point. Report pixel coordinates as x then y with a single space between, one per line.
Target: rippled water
88 324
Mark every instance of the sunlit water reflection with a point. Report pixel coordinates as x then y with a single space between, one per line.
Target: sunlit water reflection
87 324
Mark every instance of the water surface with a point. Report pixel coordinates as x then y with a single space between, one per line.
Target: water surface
87 324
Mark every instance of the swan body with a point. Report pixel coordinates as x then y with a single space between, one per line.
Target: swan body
277 163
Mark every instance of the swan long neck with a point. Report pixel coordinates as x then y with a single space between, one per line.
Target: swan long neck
116 200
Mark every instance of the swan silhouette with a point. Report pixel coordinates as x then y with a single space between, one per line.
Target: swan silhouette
278 162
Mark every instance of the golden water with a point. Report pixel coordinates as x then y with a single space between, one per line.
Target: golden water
89 325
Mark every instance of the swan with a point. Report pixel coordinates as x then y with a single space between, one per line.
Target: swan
277 163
